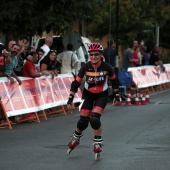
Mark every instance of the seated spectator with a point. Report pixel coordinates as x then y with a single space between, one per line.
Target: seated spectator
29 68
48 63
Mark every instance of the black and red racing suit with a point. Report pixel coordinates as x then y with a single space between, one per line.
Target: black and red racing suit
95 92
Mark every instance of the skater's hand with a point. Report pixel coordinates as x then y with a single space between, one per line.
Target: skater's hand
70 107
70 102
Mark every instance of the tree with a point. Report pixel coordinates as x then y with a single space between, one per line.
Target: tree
135 16
33 17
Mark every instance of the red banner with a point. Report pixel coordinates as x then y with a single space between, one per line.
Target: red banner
35 94
146 76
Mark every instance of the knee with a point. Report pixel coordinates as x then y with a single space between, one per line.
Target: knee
83 123
95 120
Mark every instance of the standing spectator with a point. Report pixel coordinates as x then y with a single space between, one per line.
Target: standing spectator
3 60
127 60
29 68
135 43
6 60
13 63
68 60
48 63
46 47
154 58
146 55
135 56
110 53
10 44
40 53
23 40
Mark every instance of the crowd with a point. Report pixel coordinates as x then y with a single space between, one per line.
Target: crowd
138 55
19 59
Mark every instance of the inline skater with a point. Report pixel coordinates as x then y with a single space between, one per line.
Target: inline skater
95 95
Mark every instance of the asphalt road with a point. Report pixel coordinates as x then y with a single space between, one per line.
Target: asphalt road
135 138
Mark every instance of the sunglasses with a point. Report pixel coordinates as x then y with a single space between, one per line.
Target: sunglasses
95 54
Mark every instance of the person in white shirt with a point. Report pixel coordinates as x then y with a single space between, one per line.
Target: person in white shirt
68 60
46 48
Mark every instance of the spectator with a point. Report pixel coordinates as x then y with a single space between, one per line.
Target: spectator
135 43
4 59
110 53
146 55
13 63
135 56
23 40
29 68
127 60
68 60
40 53
154 58
46 47
10 44
49 62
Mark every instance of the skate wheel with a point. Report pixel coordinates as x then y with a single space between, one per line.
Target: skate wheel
97 156
68 151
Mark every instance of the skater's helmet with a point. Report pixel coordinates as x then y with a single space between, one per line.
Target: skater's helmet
95 47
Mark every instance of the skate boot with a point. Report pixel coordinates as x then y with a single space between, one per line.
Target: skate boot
75 140
98 143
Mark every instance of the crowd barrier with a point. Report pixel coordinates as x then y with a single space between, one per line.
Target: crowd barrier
149 76
35 95
38 94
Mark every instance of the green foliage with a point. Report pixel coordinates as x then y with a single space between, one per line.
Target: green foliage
136 17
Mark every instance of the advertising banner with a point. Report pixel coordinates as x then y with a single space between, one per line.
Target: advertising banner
35 94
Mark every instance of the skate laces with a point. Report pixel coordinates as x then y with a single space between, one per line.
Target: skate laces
76 138
98 144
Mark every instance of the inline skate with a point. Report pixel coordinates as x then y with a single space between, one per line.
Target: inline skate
98 143
75 140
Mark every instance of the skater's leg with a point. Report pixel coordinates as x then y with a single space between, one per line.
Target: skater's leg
97 144
82 124
97 128
98 132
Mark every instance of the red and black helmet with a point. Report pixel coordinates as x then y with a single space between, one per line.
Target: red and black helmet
95 47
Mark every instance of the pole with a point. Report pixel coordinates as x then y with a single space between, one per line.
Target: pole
157 35
110 25
117 27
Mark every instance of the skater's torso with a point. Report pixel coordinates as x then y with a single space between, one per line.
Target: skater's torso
96 78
